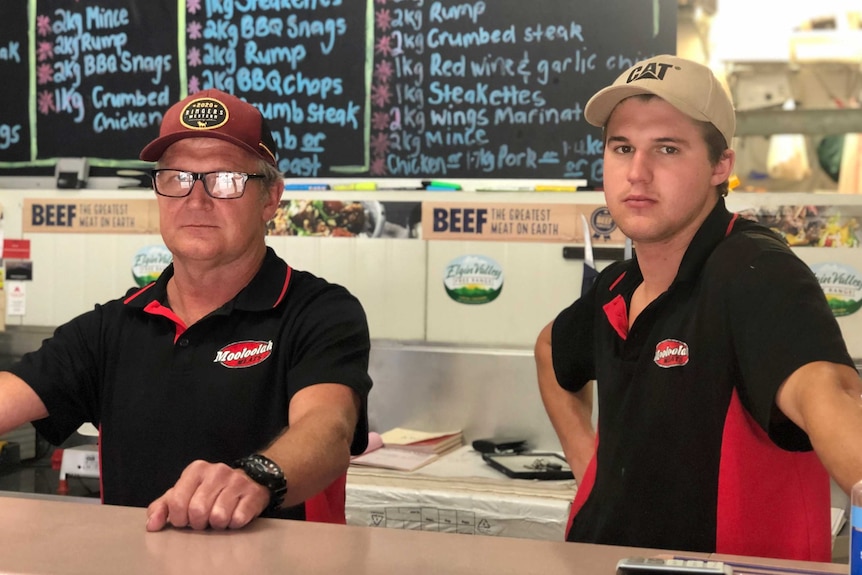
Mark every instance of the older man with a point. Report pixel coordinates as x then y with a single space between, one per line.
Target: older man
234 385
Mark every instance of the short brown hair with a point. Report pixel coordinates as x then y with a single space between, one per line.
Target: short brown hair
271 174
716 145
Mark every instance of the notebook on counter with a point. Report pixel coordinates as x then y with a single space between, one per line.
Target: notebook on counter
394 458
424 441
408 449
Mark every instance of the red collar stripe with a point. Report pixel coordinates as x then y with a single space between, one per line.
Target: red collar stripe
284 287
139 292
730 225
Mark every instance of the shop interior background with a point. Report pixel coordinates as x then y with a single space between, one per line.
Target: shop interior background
771 54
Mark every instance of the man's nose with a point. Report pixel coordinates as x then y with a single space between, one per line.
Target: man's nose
639 167
198 191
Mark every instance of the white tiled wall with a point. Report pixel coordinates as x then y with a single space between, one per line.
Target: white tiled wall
537 284
387 275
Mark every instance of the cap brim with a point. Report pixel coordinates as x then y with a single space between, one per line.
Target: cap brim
600 106
153 151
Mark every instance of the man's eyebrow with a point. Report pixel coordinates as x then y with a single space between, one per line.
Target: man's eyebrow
671 140
617 139
661 140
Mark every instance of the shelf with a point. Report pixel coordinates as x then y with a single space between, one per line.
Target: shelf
826 46
820 122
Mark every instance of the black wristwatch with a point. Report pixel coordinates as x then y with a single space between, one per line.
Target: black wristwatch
266 472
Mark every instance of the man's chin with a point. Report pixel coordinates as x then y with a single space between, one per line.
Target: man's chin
194 251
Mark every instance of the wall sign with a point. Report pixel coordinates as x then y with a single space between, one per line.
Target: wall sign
91 216
473 279
149 263
842 285
811 226
516 222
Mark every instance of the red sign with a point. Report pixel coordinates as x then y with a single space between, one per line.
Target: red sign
16 249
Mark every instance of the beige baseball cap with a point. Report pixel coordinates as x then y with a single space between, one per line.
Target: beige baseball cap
689 87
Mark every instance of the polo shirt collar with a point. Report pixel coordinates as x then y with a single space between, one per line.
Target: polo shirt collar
711 232
268 287
265 291
713 229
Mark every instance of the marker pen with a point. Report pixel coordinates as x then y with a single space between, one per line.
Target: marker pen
306 187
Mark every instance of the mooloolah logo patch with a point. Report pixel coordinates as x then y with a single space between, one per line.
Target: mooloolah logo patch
204 114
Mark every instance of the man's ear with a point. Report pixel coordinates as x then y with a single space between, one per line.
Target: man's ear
271 200
723 169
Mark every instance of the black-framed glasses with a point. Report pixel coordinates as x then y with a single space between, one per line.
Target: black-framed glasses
219 185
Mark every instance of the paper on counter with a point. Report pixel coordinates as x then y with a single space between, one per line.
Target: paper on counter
398 459
403 436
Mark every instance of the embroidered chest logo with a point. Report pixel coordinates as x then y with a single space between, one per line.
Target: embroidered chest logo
671 353
243 353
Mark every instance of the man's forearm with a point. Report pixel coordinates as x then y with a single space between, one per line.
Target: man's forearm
315 450
19 404
571 417
570 413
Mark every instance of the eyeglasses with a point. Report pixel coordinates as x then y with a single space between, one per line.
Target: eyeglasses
219 185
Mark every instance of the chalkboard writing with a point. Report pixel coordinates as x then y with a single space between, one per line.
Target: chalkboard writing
102 83
302 62
14 70
375 88
496 88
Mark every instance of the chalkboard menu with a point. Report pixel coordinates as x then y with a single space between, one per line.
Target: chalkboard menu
14 71
373 88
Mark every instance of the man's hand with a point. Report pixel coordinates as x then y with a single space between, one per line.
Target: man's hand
209 495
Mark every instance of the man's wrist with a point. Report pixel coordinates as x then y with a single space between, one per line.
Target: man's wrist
266 472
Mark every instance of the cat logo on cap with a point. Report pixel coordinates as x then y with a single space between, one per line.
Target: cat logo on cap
652 71
204 114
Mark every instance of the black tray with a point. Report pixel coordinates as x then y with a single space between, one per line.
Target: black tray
530 465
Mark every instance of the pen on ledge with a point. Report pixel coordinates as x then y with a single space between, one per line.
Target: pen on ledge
359 186
556 188
438 185
306 187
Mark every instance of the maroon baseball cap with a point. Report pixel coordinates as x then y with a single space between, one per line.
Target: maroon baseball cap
214 114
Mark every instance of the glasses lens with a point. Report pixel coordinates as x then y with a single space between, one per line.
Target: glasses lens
225 184
179 183
173 182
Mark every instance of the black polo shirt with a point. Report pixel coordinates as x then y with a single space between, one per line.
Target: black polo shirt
163 395
692 453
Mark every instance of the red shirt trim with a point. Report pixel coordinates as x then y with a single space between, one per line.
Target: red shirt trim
328 505
585 486
771 502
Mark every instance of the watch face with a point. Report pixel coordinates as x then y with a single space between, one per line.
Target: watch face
254 464
265 466
267 473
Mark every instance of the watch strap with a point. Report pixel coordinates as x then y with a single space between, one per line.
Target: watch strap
266 472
